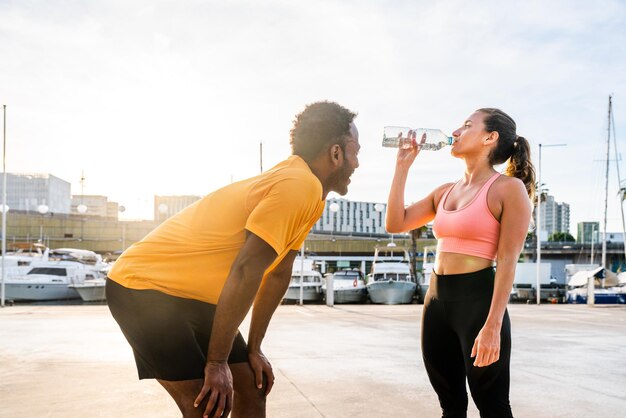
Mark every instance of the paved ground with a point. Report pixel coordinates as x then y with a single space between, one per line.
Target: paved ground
347 361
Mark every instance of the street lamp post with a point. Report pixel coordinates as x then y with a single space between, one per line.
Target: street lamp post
162 208
593 232
122 209
5 208
330 289
538 227
82 209
42 209
380 207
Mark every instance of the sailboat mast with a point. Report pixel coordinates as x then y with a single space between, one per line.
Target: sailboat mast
619 177
606 185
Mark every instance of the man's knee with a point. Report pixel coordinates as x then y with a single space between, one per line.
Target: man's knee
250 396
184 394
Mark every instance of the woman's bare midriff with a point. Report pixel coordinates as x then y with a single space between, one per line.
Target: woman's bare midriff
453 263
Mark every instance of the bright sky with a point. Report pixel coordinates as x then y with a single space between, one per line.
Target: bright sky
172 97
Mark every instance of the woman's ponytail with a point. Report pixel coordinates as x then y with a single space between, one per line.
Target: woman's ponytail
510 147
520 165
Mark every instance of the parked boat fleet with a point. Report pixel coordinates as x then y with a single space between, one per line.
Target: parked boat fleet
390 281
37 273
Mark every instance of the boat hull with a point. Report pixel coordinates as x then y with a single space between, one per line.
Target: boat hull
347 293
422 292
309 294
39 292
91 292
350 295
391 292
600 298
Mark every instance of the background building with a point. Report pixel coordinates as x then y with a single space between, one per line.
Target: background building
166 206
25 192
554 217
96 206
585 231
356 218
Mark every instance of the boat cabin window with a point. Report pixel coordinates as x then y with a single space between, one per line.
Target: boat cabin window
347 275
52 271
307 279
391 276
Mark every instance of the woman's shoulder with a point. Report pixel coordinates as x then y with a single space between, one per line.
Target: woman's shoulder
442 188
506 182
507 187
439 191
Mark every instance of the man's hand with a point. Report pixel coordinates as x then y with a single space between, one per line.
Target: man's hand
486 347
218 384
260 365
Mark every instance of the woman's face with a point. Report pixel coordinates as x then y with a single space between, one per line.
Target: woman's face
469 138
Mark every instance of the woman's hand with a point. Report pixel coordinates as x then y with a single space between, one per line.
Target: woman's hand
486 349
260 365
406 156
218 384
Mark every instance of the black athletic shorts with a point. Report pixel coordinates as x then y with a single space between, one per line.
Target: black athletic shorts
169 335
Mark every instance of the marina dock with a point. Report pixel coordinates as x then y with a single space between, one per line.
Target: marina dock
348 361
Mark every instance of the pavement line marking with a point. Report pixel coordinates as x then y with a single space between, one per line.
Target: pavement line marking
573 383
301 393
595 324
303 312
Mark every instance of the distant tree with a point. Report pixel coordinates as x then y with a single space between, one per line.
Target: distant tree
544 193
561 237
415 235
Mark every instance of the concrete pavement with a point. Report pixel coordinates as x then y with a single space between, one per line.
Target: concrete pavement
346 361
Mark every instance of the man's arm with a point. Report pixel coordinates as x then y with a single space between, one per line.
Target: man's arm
268 298
234 303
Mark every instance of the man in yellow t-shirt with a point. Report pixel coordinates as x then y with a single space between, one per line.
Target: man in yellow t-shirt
180 293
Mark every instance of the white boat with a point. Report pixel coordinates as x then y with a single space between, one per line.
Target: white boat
22 257
601 296
91 290
49 279
390 281
609 288
303 275
23 254
348 287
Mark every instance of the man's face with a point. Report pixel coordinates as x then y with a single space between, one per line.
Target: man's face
341 177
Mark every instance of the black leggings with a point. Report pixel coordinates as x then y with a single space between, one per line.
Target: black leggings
455 309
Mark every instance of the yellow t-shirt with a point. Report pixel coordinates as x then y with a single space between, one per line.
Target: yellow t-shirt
190 254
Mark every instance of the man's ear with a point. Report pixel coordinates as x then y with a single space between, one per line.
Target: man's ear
336 154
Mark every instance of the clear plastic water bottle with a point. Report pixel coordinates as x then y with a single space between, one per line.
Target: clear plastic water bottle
427 139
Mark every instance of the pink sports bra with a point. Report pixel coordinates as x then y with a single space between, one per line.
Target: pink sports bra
471 230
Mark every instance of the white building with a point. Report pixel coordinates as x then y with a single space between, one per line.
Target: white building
554 217
25 192
588 232
96 205
365 218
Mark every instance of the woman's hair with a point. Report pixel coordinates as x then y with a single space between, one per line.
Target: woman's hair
511 147
320 125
